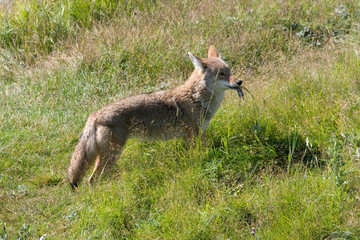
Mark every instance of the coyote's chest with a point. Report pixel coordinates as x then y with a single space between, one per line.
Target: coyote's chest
210 103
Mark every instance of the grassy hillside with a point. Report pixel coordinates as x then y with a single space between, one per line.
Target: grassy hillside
282 165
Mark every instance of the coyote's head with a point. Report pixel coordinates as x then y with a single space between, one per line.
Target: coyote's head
216 72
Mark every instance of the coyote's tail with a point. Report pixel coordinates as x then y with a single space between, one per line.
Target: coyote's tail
84 155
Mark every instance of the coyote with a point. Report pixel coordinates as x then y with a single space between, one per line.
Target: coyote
183 111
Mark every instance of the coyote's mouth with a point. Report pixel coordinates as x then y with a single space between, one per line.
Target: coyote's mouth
238 89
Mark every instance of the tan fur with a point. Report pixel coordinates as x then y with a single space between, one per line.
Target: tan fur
184 111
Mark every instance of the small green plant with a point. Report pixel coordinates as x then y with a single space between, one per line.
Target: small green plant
336 162
3 231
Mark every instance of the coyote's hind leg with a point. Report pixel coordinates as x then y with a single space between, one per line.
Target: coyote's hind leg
110 144
103 163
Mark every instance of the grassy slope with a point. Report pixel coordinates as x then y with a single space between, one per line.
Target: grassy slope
285 163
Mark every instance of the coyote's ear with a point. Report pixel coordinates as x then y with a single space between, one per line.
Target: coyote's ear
198 63
213 53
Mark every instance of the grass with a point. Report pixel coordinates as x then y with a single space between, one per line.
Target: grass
284 165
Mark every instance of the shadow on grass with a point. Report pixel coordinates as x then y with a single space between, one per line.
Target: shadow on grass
259 147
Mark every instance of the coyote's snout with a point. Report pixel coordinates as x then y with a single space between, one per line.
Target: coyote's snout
183 111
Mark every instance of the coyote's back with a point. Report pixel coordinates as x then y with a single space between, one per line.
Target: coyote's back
184 111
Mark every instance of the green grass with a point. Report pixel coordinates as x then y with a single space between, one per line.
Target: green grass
284 164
